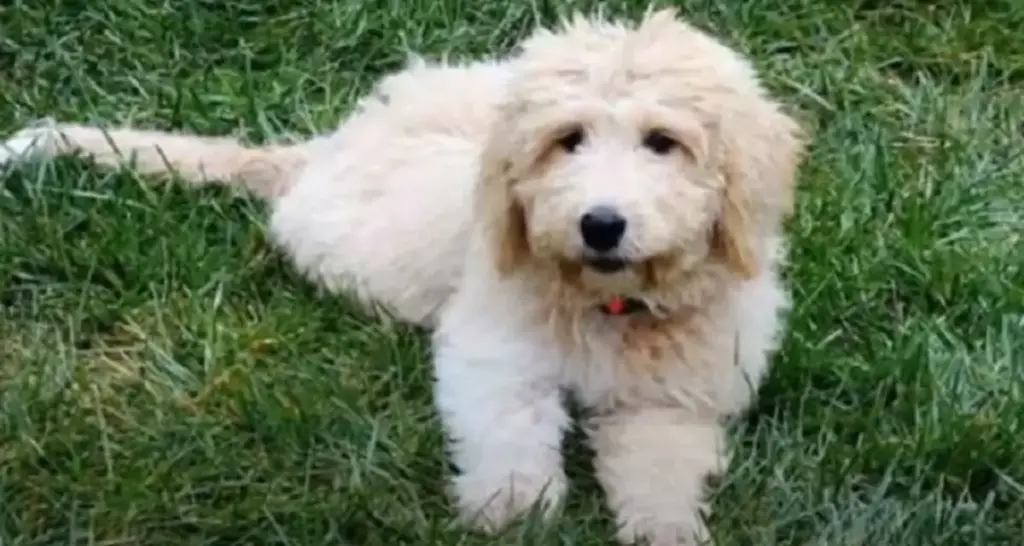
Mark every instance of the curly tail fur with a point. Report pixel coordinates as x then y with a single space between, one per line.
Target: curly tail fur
266 171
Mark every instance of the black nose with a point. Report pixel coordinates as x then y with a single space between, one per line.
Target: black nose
602 228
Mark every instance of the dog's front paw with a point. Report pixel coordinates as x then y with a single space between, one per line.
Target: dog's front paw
654 464
29 142
491 503
687 530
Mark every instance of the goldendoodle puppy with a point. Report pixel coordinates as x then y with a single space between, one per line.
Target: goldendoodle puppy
600 213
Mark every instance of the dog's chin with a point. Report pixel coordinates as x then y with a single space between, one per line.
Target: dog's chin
608 273
608 277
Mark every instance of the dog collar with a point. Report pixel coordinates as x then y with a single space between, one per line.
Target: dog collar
623 306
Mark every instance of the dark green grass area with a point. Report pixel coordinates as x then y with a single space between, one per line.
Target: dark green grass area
165 379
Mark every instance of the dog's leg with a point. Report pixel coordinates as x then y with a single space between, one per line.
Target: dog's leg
653 465
505 421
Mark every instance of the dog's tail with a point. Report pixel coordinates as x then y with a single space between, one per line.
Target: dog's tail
266 171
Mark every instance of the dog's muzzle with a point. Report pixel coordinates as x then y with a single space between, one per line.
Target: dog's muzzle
606 264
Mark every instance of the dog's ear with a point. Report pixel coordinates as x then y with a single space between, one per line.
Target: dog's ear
731 238
760 154
501 214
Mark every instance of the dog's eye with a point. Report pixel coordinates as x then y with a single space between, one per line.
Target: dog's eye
571 140
659 143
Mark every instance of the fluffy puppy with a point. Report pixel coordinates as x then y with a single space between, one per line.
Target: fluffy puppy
600 213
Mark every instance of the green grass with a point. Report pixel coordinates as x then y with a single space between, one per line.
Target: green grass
165 379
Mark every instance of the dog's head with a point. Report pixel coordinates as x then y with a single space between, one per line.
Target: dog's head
625 156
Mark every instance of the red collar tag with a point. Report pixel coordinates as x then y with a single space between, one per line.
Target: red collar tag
619 305
616 306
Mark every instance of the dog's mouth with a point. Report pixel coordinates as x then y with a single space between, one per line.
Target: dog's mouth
606 264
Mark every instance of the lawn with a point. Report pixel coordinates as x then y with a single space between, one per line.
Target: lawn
166 379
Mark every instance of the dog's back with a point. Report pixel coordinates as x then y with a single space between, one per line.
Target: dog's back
384 206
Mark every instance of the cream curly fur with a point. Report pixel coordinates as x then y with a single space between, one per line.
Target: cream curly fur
450 198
